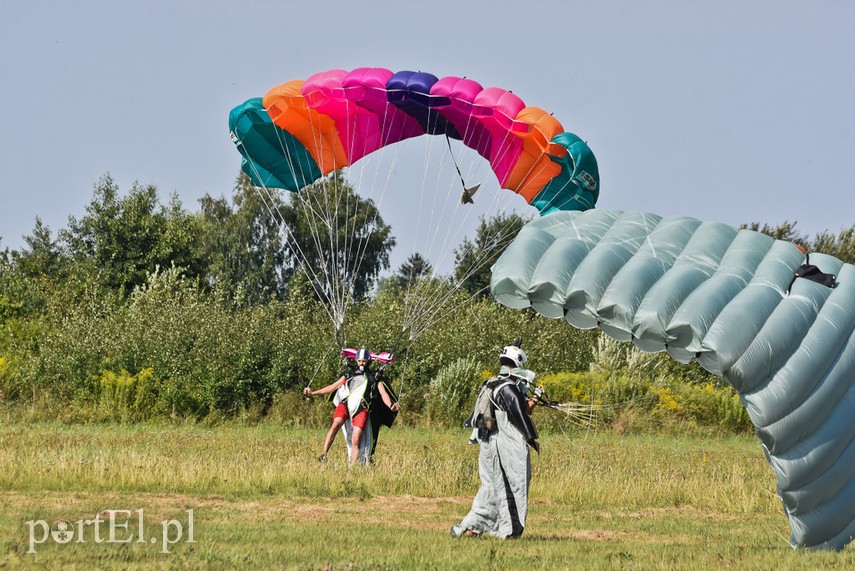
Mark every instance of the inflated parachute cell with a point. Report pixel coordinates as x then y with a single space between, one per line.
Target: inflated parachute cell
304 129
722 296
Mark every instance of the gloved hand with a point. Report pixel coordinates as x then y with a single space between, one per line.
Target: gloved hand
538 392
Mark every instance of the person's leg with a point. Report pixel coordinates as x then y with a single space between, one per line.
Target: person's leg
359 422
354 444
334 428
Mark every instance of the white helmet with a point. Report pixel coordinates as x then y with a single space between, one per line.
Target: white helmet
512 356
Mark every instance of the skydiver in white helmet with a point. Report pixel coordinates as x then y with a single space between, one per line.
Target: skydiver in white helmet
503 428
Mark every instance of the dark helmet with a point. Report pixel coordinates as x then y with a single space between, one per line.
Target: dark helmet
363 355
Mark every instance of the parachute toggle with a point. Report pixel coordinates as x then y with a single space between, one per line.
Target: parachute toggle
383 357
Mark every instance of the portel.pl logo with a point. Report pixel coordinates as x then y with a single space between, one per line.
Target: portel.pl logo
112 526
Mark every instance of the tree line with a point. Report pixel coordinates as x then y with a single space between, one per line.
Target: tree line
142 310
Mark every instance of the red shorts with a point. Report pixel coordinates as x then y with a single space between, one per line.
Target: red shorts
359 420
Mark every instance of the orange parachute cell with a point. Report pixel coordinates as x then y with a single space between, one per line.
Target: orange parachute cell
317 132
534 169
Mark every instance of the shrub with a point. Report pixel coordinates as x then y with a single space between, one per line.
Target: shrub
712 405
452 391
126 397
8 379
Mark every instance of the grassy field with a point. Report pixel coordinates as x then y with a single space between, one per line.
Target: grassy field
256 497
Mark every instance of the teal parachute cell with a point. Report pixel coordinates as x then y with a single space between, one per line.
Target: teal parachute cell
577 186
272 157
728 299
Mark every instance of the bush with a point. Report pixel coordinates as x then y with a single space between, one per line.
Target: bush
452 391
706 405
173 350
125 397
8 379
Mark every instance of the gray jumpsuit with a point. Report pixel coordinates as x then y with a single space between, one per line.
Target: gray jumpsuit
504 465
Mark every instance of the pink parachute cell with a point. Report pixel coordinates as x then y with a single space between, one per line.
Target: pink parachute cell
461 93
358 129
366 87
497 110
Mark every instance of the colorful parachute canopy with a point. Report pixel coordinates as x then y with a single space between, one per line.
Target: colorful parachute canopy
722 296
302 130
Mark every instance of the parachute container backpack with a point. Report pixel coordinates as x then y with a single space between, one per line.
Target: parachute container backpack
745 306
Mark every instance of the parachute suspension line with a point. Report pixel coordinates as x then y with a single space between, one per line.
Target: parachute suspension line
408 298
332 275
419 293
352 264
433 307
328 243
331 295
321 288
437 211
358 246
337 266
283 147
361 247
324 289
460 174
320 363
424 299
436 298
267 201
341 252
452 229
304 198
340 243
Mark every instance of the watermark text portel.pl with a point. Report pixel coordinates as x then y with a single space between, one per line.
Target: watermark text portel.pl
111 526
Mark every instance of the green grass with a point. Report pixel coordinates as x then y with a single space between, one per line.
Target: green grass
261 500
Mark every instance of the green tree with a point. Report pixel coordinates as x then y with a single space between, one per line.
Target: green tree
27 276
124 239
785 231
414 269
243 244
473 259
841 246
42 256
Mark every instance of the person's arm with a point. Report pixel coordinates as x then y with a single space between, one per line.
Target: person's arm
532 402
327 389
387 400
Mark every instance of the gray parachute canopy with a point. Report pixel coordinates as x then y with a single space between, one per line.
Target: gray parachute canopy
707 291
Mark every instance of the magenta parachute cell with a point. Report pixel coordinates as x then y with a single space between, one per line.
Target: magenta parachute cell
728 299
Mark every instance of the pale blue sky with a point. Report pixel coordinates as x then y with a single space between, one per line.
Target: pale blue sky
732 111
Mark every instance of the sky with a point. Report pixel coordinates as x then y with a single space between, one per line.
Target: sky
732 111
